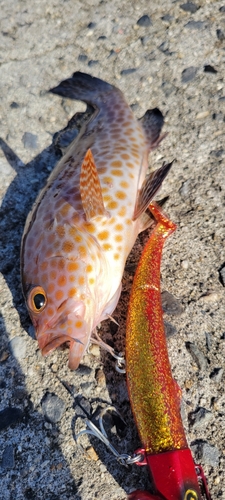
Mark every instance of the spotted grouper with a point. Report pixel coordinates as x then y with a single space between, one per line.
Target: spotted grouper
85 221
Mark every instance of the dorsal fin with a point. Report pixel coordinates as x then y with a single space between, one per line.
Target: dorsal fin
152 123
149 188
90 188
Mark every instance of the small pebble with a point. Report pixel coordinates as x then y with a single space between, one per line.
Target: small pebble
170 330
189 7
18 347
128 71
100 378
53 407
15 105
144 21
195 25
209 69
220 35
197 356
171 305
29 140
82 58
222 275
210 297
185 189
90 454
93 62
210 454
208 339
188 74
199 418
10 416
217 374
222 9
185 264
4 356
8 457
94 349
202 114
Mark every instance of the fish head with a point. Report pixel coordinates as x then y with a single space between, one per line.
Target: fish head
60 305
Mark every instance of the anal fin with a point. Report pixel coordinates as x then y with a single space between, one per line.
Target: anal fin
90 189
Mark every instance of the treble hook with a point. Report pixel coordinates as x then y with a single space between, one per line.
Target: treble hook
122 458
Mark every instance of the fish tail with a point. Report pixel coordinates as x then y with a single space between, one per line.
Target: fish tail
82 87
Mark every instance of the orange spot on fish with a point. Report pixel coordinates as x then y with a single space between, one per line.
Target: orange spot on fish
44 266
50 311
59 295
82 251
51 287
72 292
122 211
68 246
118 227
78 324
60 231
107 180
128 222
72 278
106 246
121 195
103 235
112 205
89 268
72 231
65 209
116 256
61 263
78 238
89 227
81 280
69 330
72 266
118 237
116 163
91 281
118 173
61 280
125 156
124 184
44 277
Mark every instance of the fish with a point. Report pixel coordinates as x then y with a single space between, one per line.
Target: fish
154 395
85 221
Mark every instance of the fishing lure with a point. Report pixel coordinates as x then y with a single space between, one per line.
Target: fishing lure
152 390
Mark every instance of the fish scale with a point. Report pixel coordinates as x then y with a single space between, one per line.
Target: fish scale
85 221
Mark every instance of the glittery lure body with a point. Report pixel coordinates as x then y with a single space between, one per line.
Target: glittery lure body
153 393
85 221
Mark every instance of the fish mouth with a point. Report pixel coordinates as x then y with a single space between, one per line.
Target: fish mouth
76 347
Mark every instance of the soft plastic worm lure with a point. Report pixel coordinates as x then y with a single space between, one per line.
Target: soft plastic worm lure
153 393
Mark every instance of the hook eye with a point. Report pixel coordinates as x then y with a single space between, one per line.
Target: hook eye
37 299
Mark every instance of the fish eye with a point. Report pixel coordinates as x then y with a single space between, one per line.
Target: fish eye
37 299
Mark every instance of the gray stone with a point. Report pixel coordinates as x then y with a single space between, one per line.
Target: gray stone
29 140
222 275
144 21
199 418
127 71
188 74
196 25
53 407
170 330
189 7
185 189
217 374
197 356
210 454
18 347
170 304
220 35
8 458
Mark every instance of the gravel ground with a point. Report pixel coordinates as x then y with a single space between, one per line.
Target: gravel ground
174 59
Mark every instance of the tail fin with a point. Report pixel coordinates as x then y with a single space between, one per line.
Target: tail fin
82 87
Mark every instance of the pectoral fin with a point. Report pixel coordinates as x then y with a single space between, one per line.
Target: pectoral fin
90 188
152 123
149 189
